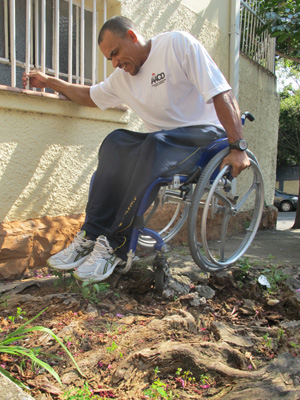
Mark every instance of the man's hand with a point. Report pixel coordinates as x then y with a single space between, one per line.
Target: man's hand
238 161
36 79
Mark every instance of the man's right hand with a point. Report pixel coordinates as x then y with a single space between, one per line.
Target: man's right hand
36 79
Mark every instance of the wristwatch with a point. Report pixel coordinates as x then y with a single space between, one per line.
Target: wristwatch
241 145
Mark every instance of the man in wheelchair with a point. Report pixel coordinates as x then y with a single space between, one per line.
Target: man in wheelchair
185 102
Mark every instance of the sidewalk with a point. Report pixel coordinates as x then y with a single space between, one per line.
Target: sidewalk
282 245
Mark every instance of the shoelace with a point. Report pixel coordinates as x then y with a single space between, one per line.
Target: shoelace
77 244
101 249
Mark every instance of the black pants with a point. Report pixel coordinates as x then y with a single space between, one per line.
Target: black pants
128 163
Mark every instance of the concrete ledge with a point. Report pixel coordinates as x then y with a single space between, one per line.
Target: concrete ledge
10 391
47 103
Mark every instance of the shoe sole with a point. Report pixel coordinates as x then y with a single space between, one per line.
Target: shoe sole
100 277
67 267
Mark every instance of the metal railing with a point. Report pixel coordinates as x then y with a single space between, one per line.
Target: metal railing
259 47
39 14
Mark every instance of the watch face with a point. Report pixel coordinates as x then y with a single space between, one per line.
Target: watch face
243 144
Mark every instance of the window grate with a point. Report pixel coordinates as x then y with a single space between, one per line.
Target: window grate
259 47
58 37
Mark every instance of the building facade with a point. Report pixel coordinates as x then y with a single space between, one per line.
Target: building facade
49 145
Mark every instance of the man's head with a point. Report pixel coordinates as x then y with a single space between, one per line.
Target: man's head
119 42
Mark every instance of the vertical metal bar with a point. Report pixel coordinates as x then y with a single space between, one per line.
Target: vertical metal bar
12 7
94 44
36 33
43 35
70 40
82 44
56 39
6 36
28 36
104 20
77 44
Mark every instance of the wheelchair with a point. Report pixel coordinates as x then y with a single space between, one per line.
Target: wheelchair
212 202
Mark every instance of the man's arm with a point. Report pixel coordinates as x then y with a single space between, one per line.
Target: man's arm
78 93
228 113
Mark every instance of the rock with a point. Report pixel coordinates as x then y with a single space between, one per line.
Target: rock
272 302
10 391
28 244
205 291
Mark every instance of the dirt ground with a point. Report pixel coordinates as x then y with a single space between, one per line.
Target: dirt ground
227 336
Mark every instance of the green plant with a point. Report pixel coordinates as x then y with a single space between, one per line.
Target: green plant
113 348
158 389
19 315
267 342
83 393
274 276
9 345
91 290
4 302
65 279
244 265
186 377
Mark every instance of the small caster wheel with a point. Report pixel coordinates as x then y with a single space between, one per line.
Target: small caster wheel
161 273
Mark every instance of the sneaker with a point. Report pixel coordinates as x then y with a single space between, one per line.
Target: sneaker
74 255
100 264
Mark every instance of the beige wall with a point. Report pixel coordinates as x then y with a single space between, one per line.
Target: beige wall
258 95
48 151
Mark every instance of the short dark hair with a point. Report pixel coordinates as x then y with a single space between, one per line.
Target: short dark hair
118 25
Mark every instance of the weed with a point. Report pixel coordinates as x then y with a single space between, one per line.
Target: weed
19 315
158 389
113 348
267 342
4 302
244 265
91 290
185 377
65 279
274 276
83 393
9 345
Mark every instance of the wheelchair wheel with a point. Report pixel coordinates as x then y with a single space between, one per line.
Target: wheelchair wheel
225 213
166 215
161 273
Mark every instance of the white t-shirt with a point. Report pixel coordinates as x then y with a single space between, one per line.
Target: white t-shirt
173 88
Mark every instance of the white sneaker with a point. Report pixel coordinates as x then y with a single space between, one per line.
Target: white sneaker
100 264
74 255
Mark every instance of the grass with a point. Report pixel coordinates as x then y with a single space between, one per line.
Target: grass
9 345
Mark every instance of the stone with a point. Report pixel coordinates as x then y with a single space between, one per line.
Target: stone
28 244
10 391
205 291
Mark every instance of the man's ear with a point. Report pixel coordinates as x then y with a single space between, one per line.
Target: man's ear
132 35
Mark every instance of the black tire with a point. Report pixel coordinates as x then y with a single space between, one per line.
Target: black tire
215 193
286 206
161 273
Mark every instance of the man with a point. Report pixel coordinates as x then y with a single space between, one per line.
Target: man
171 82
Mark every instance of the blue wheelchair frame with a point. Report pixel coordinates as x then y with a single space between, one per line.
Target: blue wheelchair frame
208 153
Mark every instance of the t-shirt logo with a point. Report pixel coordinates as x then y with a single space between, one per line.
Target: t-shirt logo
158 79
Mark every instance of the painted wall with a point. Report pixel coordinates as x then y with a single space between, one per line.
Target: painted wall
258 95
48 151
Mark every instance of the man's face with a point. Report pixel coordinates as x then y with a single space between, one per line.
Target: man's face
123 52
